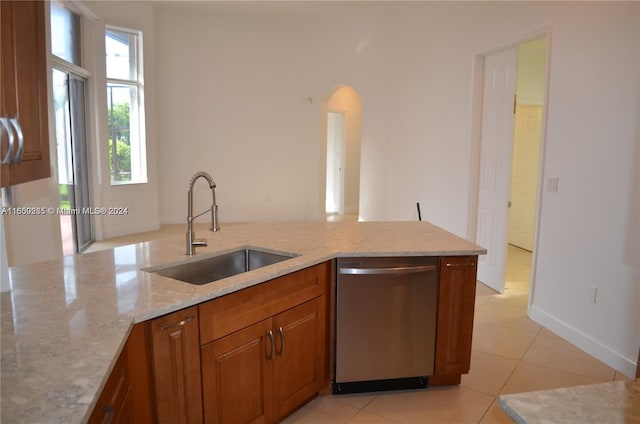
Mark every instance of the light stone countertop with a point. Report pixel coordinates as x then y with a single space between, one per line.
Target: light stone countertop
616 402
65 321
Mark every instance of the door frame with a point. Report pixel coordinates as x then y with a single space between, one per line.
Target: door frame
78 73
343 144
476 130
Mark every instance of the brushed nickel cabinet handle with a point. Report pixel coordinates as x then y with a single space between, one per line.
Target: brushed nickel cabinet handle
270 336
450 265
178 324
18 157
8 158
281 334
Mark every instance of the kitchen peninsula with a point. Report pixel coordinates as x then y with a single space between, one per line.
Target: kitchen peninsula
66 322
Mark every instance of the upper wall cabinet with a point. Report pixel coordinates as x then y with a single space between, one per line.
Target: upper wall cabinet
23 97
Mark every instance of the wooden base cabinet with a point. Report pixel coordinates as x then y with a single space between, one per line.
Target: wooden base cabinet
456 303
126 397
256 355
264 372
301 352
176 367
114 404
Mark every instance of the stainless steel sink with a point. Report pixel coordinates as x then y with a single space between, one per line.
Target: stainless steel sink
221 266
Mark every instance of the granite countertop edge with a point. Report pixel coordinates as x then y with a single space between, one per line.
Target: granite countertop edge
611 402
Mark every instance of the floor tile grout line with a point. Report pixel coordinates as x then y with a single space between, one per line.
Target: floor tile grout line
498 356
495 398
520 361
539 335
564 371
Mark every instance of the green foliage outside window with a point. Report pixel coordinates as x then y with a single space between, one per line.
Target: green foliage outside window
123 153
119 118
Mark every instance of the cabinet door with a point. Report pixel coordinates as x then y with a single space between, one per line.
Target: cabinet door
237 376
126 396
301 355
114 404
176 367
139 363
456 302
24 88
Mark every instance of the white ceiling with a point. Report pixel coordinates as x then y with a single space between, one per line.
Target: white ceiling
296 8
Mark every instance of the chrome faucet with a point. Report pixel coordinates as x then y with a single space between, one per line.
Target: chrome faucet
192 242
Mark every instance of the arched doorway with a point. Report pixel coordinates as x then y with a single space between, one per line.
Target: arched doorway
344 135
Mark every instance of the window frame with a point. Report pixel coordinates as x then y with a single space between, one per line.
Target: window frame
138 152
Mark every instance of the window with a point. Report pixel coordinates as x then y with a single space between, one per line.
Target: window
65 33
125 106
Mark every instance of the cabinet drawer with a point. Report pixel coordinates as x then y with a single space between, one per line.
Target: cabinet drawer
241 309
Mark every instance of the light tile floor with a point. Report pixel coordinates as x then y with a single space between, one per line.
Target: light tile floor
511 354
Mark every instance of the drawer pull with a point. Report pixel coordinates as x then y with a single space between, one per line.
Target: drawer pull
450 265
182 323
281 334
270 335
108 417
18 157
8 158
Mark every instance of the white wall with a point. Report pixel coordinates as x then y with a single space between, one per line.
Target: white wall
31 238
4 264
589 232
232 102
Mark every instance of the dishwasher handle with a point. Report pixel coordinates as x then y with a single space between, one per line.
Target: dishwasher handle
396 270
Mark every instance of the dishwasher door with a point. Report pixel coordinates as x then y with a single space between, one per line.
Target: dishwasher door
386 312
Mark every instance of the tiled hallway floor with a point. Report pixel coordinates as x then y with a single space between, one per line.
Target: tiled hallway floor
510 354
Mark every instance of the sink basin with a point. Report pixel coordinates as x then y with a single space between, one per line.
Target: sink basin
221 266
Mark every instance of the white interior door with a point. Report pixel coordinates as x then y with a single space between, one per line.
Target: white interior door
524 181
496 147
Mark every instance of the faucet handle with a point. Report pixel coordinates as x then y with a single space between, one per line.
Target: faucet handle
192 243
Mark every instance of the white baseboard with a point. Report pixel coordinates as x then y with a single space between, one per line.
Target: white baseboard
615 360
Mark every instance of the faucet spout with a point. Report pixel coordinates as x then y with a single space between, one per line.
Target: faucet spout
192 242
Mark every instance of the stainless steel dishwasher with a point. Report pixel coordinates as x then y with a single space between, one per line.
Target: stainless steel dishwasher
386 312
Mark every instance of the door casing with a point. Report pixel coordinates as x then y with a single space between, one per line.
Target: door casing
476 128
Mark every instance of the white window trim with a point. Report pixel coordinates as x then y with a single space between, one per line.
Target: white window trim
139 174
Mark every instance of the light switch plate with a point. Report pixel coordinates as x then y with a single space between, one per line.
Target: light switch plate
552 184
593 293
